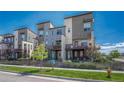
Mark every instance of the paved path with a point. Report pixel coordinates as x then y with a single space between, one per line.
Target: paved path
14 77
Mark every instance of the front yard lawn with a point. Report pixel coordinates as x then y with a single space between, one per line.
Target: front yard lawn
65 73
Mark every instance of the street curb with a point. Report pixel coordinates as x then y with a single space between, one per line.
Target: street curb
58 77
67 78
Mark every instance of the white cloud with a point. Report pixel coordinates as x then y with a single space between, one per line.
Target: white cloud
107 47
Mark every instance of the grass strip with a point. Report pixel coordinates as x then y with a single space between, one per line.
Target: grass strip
65 73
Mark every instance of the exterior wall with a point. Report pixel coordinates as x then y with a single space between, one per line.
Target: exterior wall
63 51
9 39
78 25
43 29
28 49
82 36
29 40
78 33
1 39
16 40
3 48
31 37
53 37
68 35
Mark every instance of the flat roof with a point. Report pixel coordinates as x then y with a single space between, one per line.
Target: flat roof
78 15
43 22
58 27
21 28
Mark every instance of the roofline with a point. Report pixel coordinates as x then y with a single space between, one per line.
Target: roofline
8 34
25 28
78 15
43 22
58 27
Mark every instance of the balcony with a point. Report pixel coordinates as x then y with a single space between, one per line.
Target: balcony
54 47
72 47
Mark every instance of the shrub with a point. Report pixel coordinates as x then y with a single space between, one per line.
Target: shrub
70 64
85 65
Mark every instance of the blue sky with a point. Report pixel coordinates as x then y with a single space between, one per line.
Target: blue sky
108 26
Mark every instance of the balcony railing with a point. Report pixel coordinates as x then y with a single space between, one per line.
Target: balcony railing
71 46
54 47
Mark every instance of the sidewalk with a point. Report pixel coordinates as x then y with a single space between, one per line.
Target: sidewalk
64 68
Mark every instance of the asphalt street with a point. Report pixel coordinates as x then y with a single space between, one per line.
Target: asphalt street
15 77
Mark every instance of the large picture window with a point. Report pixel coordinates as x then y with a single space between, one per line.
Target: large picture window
87 26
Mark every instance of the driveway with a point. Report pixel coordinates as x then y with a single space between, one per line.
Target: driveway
15 77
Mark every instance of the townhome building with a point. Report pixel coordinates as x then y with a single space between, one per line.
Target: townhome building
18 45
25 42
7 46
81 38
72 41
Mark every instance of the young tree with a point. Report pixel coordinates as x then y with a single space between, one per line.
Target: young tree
40 53
115 54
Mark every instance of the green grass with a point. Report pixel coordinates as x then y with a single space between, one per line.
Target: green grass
66 73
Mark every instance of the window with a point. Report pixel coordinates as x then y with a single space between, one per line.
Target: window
52 32
46 33
84 44
76 43
20 46
41 33
59 32
90 44
25 46
29 38
58 42
87 29
41 28
23 36
87 26
69 30
9 40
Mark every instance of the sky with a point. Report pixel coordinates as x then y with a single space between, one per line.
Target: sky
108 26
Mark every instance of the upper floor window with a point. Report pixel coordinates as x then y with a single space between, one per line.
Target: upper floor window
84 44
41 28
41 33
20 46
59 32
87 26
58 42
23 36
8 40
25 46
46 33
76 43
69 30
52 32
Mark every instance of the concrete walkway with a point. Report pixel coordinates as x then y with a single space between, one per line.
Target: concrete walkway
64 68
